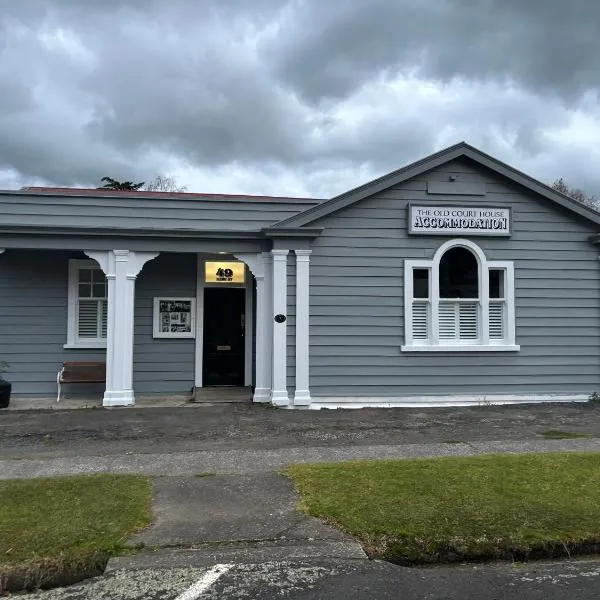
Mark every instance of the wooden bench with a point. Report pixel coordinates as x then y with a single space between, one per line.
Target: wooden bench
80 372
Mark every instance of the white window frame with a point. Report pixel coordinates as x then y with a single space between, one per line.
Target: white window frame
483 343
73 340
157 333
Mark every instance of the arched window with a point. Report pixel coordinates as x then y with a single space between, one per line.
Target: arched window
459 301
459 276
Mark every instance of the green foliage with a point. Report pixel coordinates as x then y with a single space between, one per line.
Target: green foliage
113 184
428 510
3 368
594 398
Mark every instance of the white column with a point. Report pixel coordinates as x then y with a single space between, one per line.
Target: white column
262 383
121 268
302 392
279 394
268 320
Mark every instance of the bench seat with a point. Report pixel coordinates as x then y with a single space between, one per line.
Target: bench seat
80 372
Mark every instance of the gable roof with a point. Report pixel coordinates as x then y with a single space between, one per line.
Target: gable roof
459 150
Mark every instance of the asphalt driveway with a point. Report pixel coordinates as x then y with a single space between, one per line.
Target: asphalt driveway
235 426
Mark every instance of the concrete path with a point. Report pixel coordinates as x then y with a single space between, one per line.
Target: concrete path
245 518
260 461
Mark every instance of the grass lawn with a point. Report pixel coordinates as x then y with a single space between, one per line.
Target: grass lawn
68 522
557 434
493 506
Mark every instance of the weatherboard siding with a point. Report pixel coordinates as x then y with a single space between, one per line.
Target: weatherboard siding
33 324
33 320
105 212
163 365
357 298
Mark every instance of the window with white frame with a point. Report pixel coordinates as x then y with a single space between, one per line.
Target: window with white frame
459 301
87 305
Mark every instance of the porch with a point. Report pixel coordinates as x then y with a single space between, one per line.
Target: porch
50 317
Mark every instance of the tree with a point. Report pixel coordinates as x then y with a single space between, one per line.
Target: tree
113 184
577 194
164 183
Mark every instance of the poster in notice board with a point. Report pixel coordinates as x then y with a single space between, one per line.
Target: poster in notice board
174 317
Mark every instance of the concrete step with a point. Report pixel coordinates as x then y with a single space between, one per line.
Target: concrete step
250 553
222 394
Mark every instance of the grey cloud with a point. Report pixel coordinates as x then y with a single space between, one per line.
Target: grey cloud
124 87
329 49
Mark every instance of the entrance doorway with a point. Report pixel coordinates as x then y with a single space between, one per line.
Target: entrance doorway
224 342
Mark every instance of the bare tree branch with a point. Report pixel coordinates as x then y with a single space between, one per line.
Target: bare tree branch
164 183
577 194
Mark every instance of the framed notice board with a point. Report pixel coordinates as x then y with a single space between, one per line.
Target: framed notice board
174 318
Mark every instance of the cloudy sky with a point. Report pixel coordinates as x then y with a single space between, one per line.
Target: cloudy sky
299 97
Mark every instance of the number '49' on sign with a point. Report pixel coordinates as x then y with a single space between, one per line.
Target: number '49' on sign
224 274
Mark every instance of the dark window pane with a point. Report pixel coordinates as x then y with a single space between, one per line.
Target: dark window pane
85 275
420 283
99 290
98 276
85 290
496 283
458 274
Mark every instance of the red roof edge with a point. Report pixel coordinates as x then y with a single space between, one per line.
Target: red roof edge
101 191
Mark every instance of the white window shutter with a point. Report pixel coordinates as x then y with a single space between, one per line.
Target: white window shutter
468 317
496 312
447 320
420 321
458 320
87 318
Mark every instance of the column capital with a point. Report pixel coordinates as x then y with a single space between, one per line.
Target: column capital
134 261
303 255
254 261
279 254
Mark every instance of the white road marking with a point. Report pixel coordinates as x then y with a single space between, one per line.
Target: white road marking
204 582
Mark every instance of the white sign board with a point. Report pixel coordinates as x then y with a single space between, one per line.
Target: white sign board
452 220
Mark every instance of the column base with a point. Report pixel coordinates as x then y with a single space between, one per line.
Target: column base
302 398
280 398
119 398
262 395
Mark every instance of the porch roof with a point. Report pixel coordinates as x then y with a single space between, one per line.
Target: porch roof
66 210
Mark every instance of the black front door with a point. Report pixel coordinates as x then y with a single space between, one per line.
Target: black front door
223 347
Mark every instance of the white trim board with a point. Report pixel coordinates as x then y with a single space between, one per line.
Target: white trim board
73 341
437 401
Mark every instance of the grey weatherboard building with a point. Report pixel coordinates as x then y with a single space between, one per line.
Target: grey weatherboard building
346 302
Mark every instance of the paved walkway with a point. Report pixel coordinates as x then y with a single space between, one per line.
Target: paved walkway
244 461
208 520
